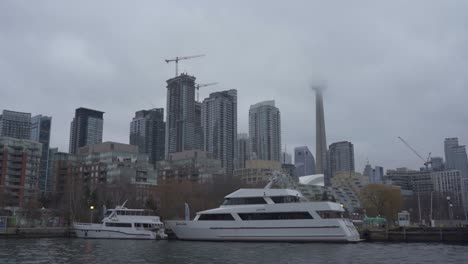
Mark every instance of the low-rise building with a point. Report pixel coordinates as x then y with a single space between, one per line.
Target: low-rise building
191 165
257 172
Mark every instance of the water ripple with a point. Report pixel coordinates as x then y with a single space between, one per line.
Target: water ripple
72 251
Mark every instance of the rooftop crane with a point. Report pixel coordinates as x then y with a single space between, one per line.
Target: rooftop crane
198 86
426 161
177 59
426 164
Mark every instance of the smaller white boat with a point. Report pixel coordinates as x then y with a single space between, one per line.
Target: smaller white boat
123 223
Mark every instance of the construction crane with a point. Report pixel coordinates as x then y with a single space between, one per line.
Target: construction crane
198 86
426 161
177 59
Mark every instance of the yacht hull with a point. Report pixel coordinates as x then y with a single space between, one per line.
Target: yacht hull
84 230
284 231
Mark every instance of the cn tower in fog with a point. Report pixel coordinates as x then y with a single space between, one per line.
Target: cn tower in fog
320 136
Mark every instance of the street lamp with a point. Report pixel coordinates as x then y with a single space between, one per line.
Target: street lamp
450 205
91 208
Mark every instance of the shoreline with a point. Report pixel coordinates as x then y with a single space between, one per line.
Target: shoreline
397 235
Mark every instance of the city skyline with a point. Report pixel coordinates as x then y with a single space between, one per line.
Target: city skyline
64 66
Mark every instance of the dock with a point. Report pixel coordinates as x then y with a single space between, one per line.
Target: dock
38 232
417 234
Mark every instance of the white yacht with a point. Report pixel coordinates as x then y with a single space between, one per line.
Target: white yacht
123 223
268 215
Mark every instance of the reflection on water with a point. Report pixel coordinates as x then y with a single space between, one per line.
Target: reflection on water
130 251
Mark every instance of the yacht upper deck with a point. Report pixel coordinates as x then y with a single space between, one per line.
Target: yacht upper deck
247 193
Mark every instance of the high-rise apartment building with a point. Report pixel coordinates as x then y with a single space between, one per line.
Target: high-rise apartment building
286 158
19 170
265 131
183 122
148 132
320 135
86 128
304 161
455 156
449 143
340 158
219 122
15 124
242 151
375 175
40 132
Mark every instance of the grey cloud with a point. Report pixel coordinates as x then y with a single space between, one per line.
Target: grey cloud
393 69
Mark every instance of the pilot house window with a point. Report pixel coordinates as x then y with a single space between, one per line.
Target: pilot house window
249 200
275 216
216 217
330 214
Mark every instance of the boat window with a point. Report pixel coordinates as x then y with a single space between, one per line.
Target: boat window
330 214
119 224
285 199
216 217
275 216
137 225
249 200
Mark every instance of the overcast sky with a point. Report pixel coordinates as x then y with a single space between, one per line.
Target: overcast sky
392 69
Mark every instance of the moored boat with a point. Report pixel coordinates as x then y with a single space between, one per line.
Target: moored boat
268 215
123 223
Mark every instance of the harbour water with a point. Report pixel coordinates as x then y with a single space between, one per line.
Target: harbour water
53 251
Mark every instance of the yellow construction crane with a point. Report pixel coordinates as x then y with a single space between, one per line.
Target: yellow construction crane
177 59
198 86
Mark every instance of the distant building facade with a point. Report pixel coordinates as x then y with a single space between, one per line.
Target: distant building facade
340 158
265 131
410 180
437 164
450 183
112 162
40 132
15 124
86 128
64 169
183 115
375 175
286 158
148 132
19 170
191 165
242 151
258 172
346 187
455 156
304 161
219 122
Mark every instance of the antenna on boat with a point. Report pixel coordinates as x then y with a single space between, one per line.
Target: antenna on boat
124 203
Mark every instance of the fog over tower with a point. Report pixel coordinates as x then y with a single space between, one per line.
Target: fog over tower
320 136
